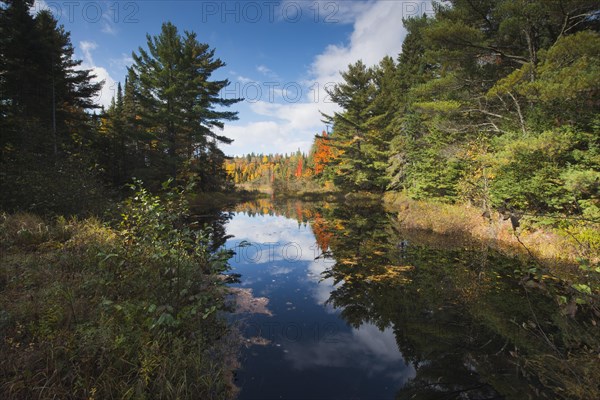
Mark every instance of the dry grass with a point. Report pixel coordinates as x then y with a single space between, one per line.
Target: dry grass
74 324
468 221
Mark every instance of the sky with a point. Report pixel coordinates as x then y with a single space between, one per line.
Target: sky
280 55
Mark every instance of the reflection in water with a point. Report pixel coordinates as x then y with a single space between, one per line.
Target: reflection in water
367 348
311 352
362 309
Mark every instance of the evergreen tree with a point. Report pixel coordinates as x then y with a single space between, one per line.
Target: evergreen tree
46 128
350 127
361 132
178 106
45 94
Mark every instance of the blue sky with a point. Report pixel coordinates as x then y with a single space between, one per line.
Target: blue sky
280 54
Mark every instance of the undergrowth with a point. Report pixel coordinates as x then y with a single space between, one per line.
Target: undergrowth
126 310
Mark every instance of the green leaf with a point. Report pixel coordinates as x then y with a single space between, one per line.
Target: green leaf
582 288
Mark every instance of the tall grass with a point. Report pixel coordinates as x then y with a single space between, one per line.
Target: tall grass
565 250
94 311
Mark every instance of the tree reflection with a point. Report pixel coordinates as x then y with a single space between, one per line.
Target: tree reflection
458 314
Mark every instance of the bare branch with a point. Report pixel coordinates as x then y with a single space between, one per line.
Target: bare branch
518 106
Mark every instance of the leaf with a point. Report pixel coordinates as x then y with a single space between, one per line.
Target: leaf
107 257
165 319
582 288
208 311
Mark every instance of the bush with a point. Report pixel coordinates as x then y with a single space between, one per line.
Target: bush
129 311
66 187
554 171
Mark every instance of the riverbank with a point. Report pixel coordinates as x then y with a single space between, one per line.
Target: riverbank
567 251
219 200
128 309
304 189
572 241
547 243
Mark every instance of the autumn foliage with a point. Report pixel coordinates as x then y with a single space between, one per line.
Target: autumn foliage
323 153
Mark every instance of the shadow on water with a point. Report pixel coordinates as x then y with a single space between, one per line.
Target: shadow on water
359 308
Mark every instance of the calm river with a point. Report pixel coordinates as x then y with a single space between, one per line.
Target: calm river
341 303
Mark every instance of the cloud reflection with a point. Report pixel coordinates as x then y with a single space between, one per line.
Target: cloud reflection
366 348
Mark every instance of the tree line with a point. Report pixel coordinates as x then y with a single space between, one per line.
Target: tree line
489 102
60 151
137 290
271 168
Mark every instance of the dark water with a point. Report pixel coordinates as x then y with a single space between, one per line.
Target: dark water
360 309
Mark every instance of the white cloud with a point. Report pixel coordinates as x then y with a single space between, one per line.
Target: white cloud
109 88
263 69
243 79
122 62
267 72
109 28
262 137
377 31
108 24
86 48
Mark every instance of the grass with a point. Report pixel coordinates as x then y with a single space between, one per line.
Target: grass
93 311
567 253
464 220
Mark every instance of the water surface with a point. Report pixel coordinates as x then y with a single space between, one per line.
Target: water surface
357 308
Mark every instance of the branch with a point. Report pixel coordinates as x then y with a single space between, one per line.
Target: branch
521 120
519 59
487 113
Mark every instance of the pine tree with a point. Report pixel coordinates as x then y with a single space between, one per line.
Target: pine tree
353 95
45 94
46 127
177 106
360 132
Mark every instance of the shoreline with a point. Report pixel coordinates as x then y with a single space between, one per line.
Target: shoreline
545 244
555 254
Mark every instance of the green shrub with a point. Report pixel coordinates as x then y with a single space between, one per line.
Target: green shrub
129 311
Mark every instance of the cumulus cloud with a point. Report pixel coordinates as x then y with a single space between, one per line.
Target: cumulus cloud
377 31
262 137
109 88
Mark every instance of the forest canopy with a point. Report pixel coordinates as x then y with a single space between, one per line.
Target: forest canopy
492 103
63 153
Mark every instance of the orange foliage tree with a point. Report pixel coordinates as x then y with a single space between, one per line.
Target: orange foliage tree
323 153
